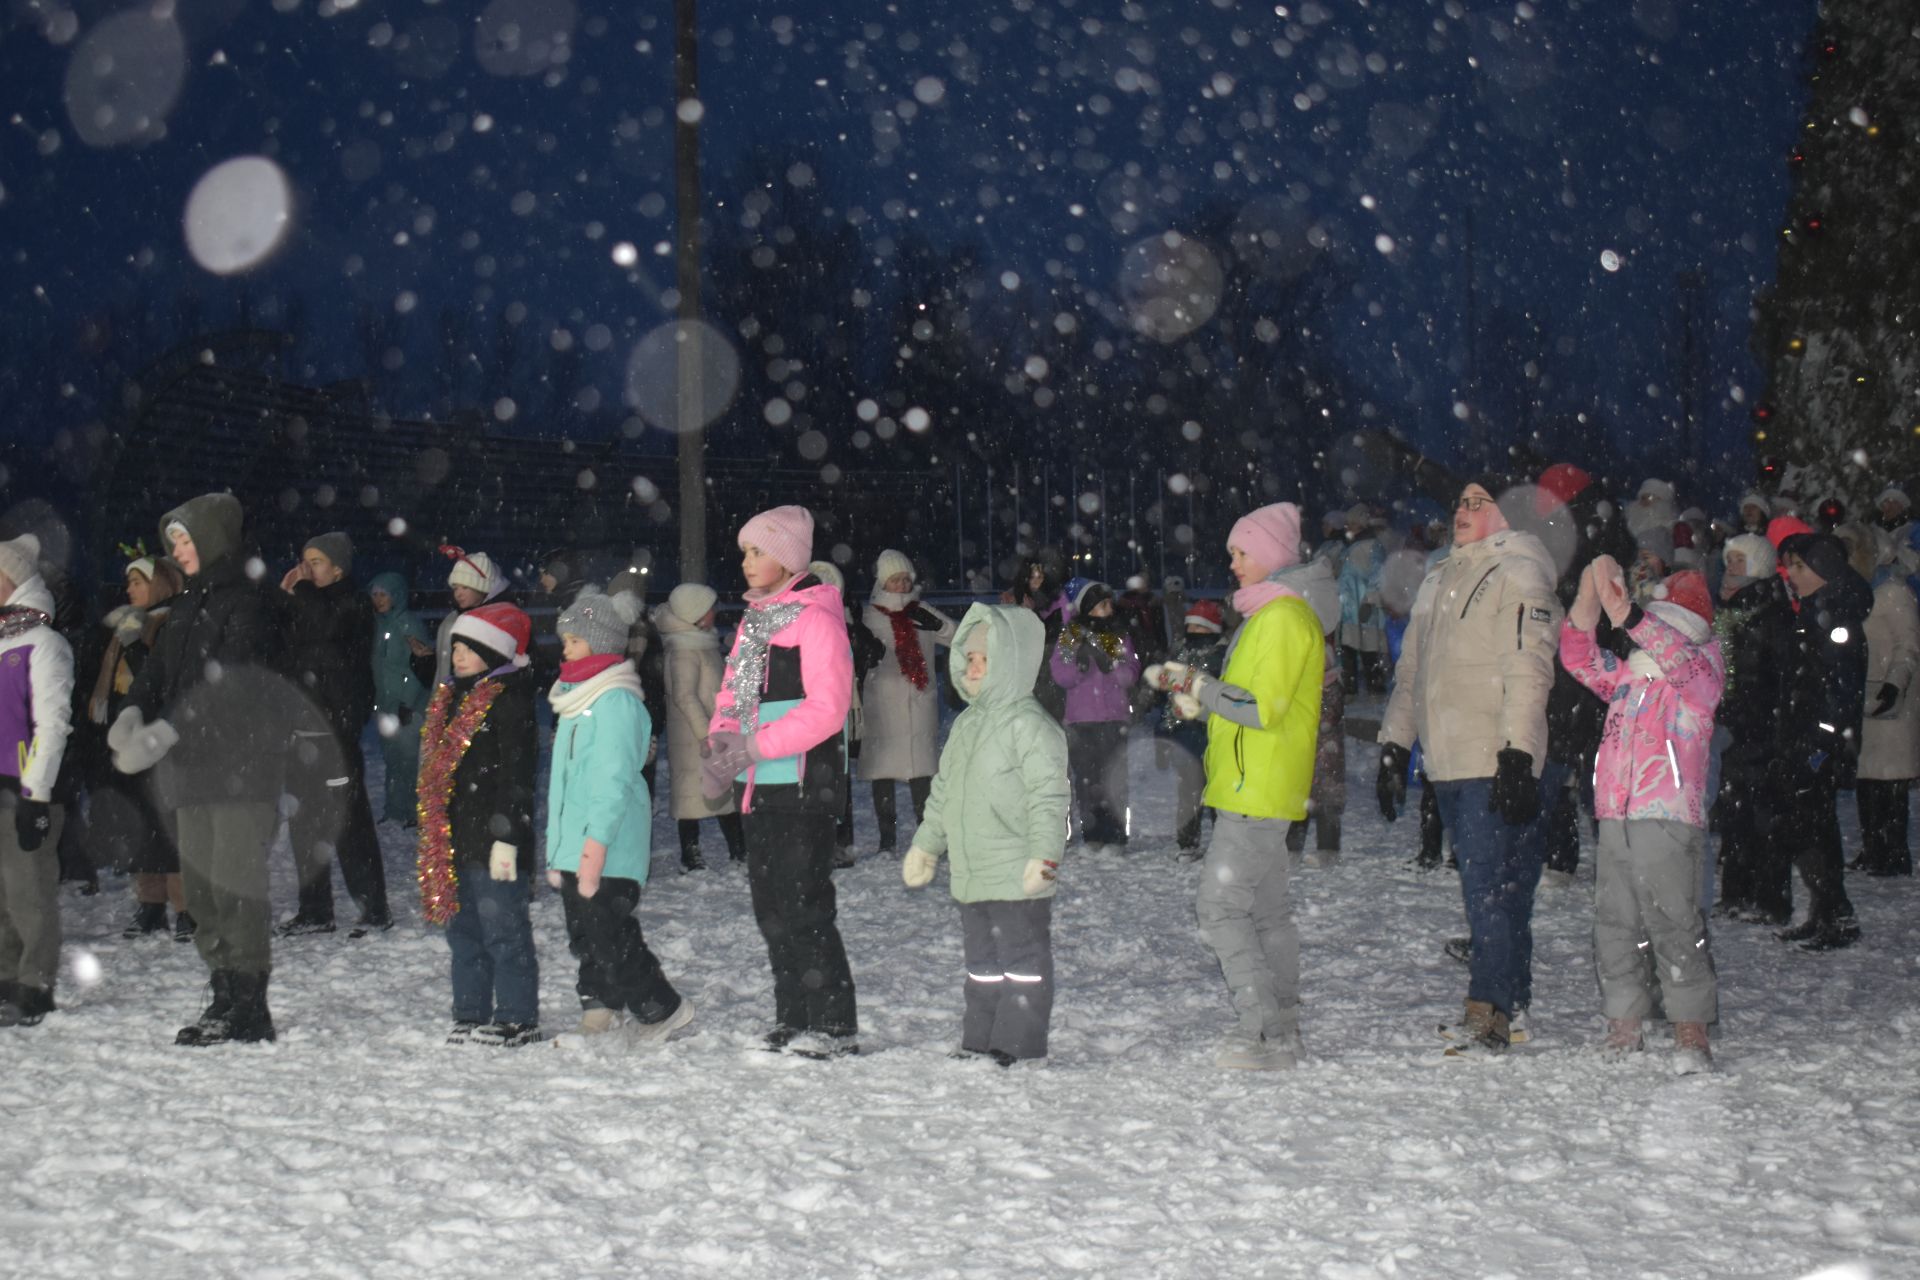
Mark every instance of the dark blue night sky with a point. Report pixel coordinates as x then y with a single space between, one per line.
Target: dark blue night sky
1596 162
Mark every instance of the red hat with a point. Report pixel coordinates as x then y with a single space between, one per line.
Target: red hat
499 628
1688 589
1206 615
1559 484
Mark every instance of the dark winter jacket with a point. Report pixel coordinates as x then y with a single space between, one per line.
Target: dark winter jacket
214 674
1827 680
493 785
1202 653
1755 629
330 652
1575 716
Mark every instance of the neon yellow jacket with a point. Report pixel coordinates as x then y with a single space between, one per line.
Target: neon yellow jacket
1278 656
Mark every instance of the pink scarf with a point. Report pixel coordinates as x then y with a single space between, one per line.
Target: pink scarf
1248 601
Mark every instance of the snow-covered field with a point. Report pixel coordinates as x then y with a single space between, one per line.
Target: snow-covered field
359 1145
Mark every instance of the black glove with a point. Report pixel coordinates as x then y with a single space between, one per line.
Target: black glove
1391 784
32 820
1083 654
1101 658
1884 700
923 618
406 715
1516 792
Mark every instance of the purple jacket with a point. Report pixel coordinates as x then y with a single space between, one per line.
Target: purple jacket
36 697
1094 695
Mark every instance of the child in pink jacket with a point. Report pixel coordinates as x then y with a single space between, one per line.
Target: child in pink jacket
1650 795
778 743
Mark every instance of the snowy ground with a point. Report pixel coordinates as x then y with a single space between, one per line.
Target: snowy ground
359 1145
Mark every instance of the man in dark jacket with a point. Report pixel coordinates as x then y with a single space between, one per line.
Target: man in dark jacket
1755 624
1575 717
210 716
1817 741
330 626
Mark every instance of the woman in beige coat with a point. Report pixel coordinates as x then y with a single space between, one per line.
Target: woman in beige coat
694 668
1890 732
900 697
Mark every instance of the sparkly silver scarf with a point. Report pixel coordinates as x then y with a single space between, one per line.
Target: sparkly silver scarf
757 630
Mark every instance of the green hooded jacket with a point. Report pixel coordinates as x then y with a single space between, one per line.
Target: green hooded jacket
394 683
1000 796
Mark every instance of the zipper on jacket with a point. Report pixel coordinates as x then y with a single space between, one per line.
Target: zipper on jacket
1476 589
1519 618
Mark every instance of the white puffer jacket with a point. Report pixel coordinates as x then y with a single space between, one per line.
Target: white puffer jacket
1477 661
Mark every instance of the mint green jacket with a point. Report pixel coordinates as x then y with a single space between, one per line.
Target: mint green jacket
1000 796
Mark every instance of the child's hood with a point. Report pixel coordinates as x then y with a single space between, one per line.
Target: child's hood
1318 586
1016 648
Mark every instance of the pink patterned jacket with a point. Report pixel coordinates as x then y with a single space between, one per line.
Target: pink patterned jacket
1656 747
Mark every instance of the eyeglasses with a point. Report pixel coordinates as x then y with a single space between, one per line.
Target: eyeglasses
1471 503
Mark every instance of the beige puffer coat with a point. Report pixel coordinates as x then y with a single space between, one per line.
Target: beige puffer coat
1890 744
1477 662
694 669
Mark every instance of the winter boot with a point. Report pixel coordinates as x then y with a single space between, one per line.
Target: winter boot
506 1035
302 925
1691 1055
148 917
25 1006
1485 1032
1624 1037
650 1034
1833 935
1296 837
690 860
184 927
249 1022
1460 949
1241 1052
211 1027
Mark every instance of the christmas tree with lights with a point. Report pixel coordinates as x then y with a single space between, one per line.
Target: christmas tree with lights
1839 334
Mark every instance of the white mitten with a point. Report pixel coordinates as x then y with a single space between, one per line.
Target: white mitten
125 725
1038 875
144 748
503 861
916 869
1166 675
1187 707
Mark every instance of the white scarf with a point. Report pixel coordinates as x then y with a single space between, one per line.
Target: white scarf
894 600
692 638
571 700
1681 619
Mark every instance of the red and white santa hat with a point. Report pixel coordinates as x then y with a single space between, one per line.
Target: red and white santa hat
501 629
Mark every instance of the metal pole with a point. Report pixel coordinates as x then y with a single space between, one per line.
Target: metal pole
959 522
989 543
691 422
1160 478
1106 560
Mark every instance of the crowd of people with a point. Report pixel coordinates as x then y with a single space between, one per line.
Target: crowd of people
1546 658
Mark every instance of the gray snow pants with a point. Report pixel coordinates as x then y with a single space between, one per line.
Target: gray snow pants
223 858
1649 938
1009 949
1247 919
29 902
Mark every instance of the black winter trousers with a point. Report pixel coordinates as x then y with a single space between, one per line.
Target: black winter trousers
617 968
1756 856
1097 759
689 829
1811 844
886 810
1884 850
790 879
328 779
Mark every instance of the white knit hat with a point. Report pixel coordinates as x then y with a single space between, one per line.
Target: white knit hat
474 569
690 601
892 562
20 559
1894 493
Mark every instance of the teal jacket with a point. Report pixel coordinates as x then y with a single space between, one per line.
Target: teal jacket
394 684
600 735
1000 796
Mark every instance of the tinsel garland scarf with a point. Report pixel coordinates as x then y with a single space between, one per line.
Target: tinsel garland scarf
749 662
1111 643
442 746
18 619
906 646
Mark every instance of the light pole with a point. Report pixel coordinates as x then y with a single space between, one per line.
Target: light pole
690 359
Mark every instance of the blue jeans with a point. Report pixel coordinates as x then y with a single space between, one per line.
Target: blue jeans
1499 870
496 977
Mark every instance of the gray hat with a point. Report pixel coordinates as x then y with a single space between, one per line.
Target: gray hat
335 546
602 621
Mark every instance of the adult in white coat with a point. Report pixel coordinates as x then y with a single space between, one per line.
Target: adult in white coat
901 695
694 668
1890 732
